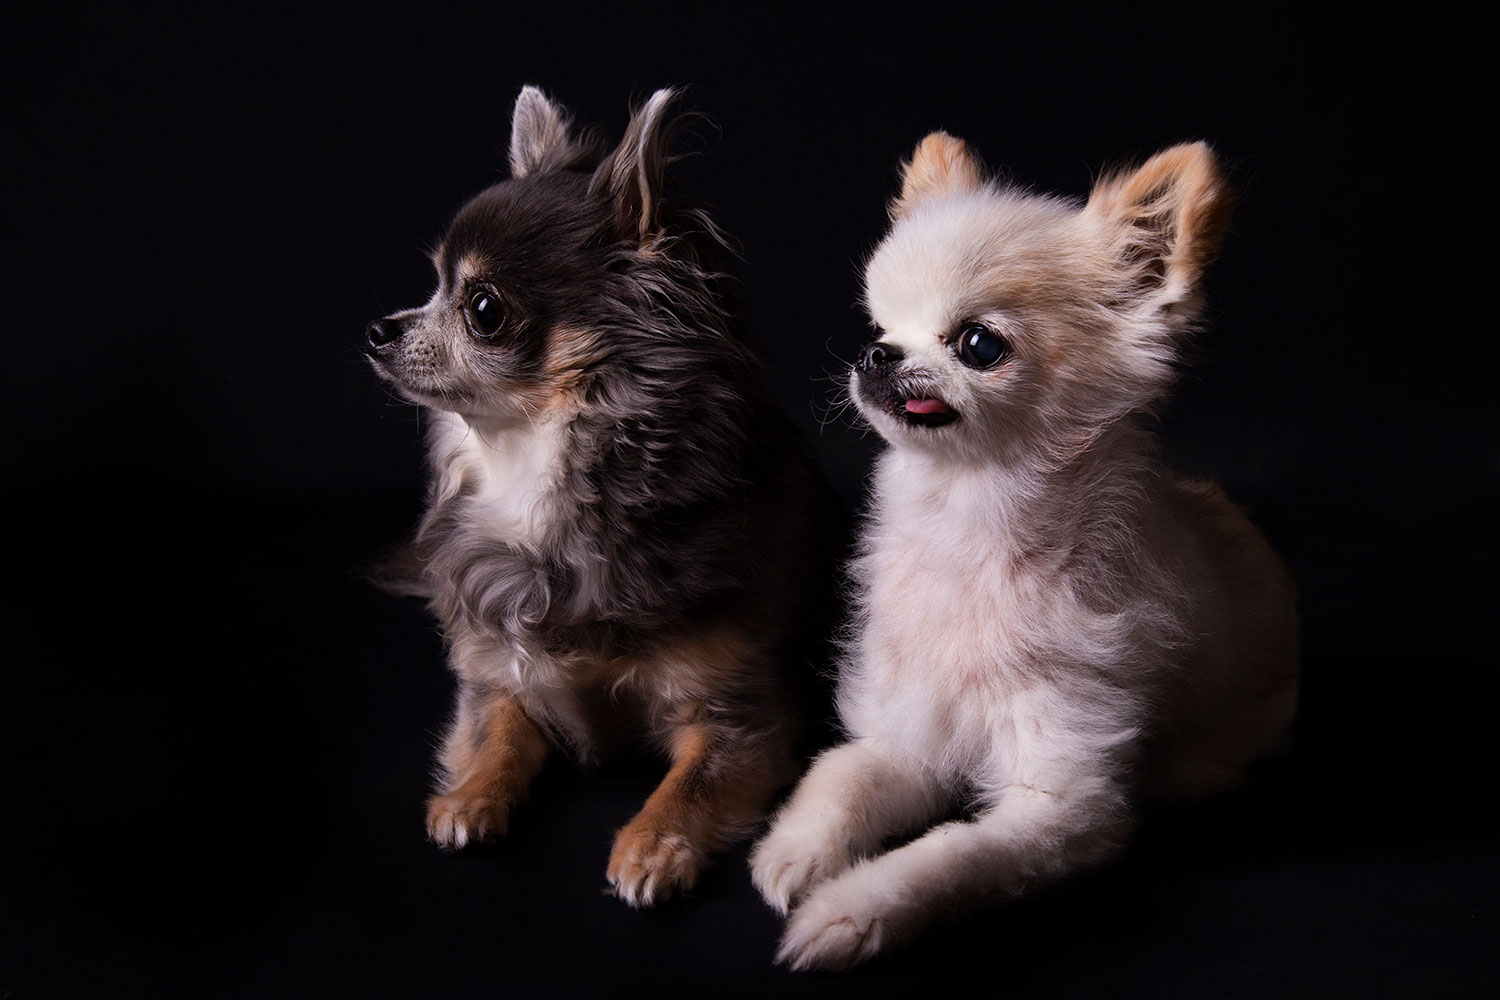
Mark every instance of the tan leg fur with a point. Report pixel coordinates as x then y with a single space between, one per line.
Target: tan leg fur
719 784
492 754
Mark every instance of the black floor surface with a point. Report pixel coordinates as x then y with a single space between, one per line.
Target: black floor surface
225 798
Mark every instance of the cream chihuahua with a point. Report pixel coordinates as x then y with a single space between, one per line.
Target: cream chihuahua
1049 624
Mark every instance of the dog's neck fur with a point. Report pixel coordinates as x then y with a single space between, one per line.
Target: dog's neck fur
1030 507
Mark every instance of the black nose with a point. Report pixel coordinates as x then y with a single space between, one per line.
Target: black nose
382 332
877 354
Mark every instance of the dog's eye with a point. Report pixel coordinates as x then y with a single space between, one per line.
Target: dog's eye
484 314
980 347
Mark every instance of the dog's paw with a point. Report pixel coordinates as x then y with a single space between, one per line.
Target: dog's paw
457 820
648 865
788 861
838 926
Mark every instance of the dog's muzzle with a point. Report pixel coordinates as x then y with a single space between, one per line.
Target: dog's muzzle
905 396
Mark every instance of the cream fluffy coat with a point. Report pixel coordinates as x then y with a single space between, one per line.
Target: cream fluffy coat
1048 622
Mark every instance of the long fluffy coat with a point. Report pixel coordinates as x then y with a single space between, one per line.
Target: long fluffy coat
1049 623
619 537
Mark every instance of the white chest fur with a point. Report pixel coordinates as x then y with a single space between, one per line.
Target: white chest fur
967 628
508 473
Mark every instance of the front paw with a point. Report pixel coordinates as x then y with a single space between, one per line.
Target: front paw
456 820
650 864
838 926
790 860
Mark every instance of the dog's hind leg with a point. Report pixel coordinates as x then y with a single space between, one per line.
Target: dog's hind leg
854 796
491 753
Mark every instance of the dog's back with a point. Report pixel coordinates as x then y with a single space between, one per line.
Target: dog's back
1233 696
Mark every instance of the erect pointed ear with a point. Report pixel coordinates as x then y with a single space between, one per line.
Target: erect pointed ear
633 176
1170 215
942 164
540 134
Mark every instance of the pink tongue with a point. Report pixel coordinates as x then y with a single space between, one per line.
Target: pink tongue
926 406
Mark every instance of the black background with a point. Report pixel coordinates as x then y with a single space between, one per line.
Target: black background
216 737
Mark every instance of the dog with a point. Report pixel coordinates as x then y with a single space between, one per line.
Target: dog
619 524
1049 625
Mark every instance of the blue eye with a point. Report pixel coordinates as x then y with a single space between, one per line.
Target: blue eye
980 347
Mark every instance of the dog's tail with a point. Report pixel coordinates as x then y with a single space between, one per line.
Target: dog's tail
400 570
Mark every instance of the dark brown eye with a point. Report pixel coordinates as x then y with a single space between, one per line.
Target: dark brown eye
980 347
484 314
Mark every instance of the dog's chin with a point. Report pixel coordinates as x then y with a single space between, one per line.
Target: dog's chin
421 395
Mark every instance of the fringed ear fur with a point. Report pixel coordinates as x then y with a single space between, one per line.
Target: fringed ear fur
941 164
632 178
1171 215
540 134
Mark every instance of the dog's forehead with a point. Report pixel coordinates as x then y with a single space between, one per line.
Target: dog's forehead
458 267
516 218
959 257
920 276
484 223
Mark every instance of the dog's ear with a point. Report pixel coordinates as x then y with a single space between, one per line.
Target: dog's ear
1169 217
540 134
633 176
941 164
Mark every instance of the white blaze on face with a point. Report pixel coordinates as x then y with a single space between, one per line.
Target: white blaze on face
920 282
